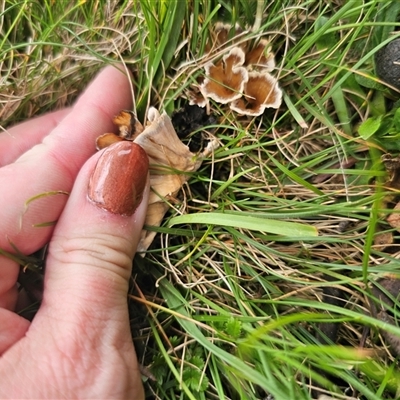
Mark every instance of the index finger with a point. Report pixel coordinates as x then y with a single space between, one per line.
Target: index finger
20 138
51 166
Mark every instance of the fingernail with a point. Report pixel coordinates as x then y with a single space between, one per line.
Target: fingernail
119 178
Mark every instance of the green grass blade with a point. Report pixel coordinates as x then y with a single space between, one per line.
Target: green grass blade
285 228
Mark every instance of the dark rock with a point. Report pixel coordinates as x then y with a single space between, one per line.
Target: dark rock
387 63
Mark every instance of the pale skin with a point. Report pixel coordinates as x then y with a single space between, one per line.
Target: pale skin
79 344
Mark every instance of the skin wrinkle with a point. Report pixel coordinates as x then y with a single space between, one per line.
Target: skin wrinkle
86 309
67 352
16 371
79 366
103 289
115 259
46 364
87 328
72 367
69 355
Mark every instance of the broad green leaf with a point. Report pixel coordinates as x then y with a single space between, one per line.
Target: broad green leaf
369 127
328 39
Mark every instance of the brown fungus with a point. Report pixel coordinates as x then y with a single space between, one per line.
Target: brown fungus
241 78
225 80
260 57
261 91
107 139
129 128
224 35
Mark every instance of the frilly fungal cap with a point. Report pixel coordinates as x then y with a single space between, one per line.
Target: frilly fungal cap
260 92
225 80
241 77
260 57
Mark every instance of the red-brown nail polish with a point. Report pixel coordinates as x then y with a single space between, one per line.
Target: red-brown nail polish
119 178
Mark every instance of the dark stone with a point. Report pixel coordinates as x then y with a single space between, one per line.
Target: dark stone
387 63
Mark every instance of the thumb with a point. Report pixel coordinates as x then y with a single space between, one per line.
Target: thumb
91 251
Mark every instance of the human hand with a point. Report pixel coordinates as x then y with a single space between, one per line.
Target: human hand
79 343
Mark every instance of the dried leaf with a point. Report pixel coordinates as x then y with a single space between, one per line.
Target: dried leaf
383 240
394 219
170 163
